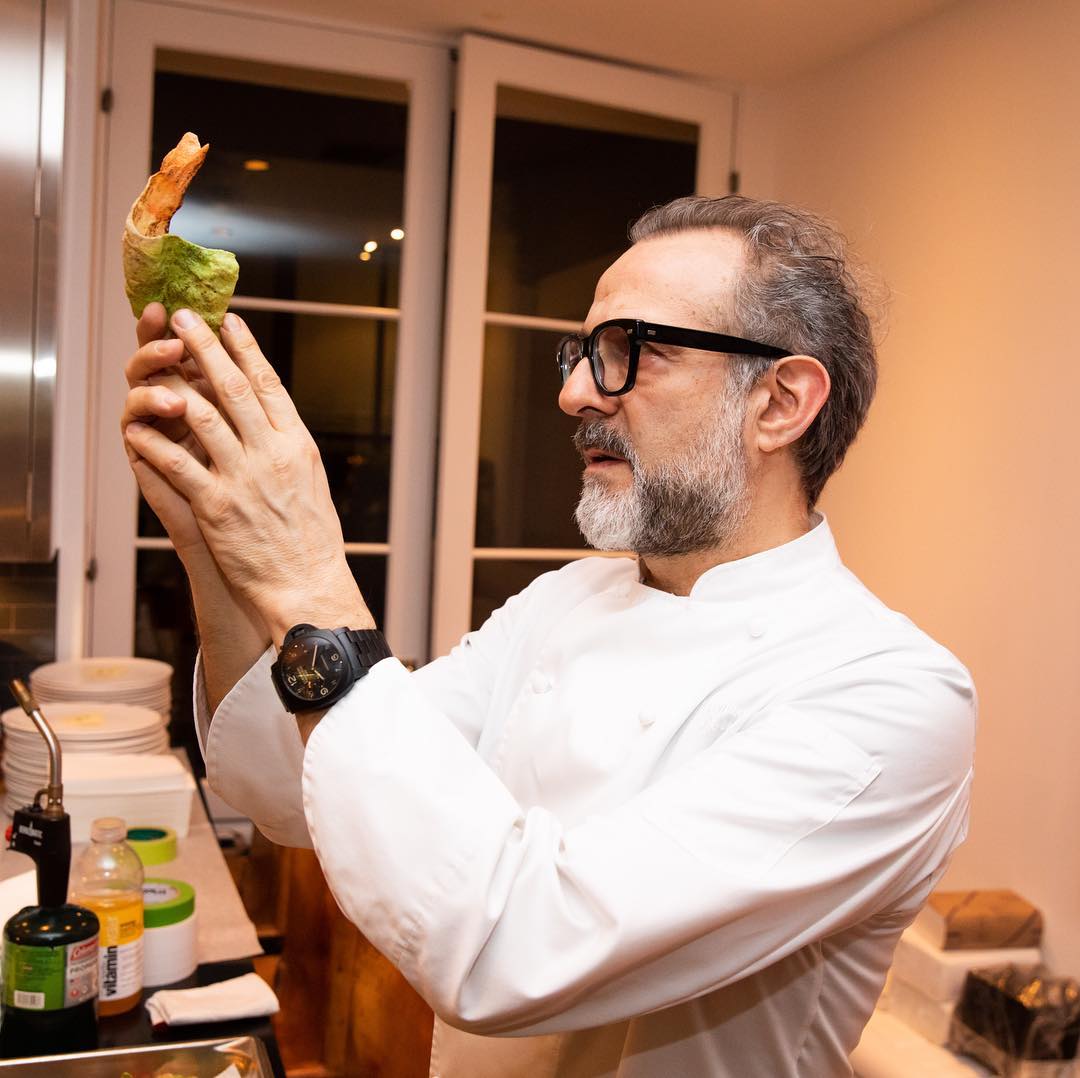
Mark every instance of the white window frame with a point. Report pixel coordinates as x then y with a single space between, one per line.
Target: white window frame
483 66
140 28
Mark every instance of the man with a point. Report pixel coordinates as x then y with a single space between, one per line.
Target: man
659 816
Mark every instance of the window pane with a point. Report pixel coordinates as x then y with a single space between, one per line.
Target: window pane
340 373
332 149
529 470
568 179
164 629
369 570
495 581
27 621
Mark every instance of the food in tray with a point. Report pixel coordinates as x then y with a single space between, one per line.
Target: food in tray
167 269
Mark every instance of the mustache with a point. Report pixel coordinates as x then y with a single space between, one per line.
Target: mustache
596 434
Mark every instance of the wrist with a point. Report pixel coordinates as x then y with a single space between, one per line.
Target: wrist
324 613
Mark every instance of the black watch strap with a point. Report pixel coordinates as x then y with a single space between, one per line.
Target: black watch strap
365 648
370 645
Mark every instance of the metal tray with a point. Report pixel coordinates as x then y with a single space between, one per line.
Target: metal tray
191 1059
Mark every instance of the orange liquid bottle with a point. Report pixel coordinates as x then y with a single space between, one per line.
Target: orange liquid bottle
108 880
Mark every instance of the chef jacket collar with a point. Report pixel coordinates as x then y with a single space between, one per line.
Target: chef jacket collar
776 570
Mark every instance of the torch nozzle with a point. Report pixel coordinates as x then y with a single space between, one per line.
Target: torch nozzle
54 792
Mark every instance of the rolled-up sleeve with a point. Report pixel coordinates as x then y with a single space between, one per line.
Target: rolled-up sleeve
254 753
802 821
252 746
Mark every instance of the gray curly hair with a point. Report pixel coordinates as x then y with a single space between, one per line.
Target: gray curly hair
801 294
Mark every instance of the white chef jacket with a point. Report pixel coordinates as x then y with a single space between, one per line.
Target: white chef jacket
618 832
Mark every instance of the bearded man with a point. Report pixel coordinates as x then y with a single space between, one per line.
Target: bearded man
661 815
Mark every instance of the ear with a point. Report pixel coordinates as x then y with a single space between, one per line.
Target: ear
787 399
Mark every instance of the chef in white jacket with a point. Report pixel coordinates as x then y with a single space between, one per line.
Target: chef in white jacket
662 815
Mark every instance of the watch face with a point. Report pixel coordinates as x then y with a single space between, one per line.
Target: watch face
312 667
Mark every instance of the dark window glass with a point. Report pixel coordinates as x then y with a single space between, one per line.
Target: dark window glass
27 621
529 470
369 570
304 169
568 179
340 373
164 630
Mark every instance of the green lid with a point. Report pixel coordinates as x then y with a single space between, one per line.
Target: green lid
167 902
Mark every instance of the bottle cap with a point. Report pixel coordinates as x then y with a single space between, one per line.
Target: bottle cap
108 829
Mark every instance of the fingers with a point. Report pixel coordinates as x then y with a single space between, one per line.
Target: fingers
234 392
144 404
153 356
151 324
208 425
248 356
171 461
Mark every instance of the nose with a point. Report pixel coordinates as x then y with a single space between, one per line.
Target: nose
579 395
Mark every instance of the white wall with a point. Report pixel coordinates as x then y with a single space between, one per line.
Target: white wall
950 154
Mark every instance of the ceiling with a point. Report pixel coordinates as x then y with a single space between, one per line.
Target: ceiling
750 41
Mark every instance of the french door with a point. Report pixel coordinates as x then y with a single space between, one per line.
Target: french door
327 176
553 156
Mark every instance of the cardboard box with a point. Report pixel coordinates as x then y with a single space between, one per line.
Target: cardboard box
973 920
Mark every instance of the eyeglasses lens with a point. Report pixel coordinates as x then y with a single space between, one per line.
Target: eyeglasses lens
569 356
611 352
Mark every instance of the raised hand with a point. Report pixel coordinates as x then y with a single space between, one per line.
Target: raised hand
259 496
155 373
161 376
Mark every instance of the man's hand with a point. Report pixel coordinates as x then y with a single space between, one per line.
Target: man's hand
231 634
259 496
154 374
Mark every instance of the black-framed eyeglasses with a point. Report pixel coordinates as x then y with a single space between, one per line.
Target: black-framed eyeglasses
614 346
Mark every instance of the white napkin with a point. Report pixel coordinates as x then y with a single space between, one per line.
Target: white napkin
242 997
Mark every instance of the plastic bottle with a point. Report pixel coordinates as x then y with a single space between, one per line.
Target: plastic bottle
108 880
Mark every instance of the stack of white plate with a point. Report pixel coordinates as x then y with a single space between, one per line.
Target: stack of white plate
139 682
81 728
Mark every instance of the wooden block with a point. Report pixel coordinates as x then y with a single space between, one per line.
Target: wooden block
970 920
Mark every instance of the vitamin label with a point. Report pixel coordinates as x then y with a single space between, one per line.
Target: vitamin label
121 970
121 953
50 978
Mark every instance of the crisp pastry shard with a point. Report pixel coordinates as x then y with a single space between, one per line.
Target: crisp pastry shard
159 267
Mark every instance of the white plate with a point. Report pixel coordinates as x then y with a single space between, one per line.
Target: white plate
121 673
82 722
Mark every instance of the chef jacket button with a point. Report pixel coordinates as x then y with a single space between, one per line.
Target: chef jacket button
539 683
646 718
757 627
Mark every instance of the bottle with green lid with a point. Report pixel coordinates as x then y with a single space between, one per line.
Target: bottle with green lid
109 879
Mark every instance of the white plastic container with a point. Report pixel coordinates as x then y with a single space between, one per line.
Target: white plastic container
170 950
144 790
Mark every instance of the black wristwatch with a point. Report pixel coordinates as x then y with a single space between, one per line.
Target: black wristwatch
317 667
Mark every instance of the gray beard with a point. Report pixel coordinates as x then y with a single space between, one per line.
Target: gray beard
697 502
